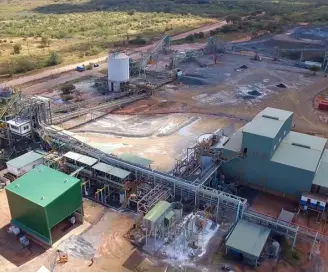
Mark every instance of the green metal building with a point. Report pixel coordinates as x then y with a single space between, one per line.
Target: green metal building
247 241
42 198
267 155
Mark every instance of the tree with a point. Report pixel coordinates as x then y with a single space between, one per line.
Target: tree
315 69
233 19
45 41
54 59
131 12
67 88
17 48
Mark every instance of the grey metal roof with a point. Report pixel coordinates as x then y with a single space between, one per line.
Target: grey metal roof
109 169
268 122
89 161
136 159
235 142
300 151
102 167
286 216
24 159
248 238
72 155
321 176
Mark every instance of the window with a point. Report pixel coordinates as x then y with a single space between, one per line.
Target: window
285 132
274 147
14 127
26 127
308 201
279 139
245 151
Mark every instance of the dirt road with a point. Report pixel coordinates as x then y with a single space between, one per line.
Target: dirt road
52 72
204 29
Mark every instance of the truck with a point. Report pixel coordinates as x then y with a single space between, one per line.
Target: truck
80 68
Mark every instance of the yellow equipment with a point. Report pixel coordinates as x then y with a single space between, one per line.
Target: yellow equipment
62 258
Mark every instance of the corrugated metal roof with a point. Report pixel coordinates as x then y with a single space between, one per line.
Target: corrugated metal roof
42 182
24 159
268 122
102 167
286 216
72 155
321 176
109 169
248 238
157 211
87 160
300 151
235 142
136 159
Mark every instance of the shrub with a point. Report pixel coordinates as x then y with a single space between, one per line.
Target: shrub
67 88
138 41
67 97
45 41
24 64
17 48
53 59
190 38
89 66
131 12
93 51
315 69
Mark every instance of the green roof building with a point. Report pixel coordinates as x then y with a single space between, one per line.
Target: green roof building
42 198
247 241
267 155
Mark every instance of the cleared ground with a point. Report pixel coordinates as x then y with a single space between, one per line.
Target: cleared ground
160 138
105 234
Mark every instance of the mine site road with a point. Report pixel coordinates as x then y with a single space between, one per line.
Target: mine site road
48 73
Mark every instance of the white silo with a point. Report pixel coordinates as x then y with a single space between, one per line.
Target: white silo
118 70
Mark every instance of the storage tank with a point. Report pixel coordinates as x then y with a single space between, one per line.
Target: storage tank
118 68
275 249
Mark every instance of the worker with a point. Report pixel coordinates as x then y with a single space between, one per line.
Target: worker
215 58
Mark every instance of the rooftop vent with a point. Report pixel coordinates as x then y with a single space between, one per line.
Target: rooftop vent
270 117
301 145
42 198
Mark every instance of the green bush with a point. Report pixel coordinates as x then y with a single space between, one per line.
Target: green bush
67 88
190 38
53 59
67 97
24 64
89 66
93 51
138 41
17 48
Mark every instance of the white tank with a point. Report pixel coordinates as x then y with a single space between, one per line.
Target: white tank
275 249
118 67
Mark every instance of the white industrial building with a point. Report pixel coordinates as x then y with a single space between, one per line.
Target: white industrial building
24 163
20 126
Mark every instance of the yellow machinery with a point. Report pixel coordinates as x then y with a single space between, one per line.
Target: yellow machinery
62 258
